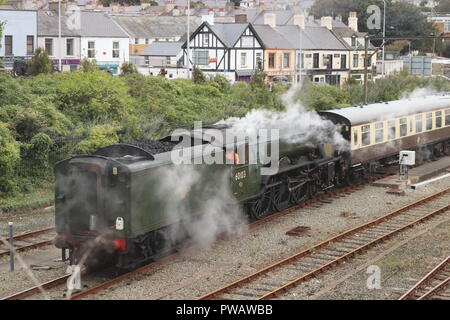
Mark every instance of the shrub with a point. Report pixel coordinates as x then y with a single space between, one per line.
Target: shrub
127 68
40 63
35 156
99 136
9 156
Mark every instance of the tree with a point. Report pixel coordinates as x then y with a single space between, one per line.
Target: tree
40 63
127 68
88 65
198 76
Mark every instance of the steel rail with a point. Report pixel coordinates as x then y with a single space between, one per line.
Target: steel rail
430 275
309 202
323 244
26 236
36 289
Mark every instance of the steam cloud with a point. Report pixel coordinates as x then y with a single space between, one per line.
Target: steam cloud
295 124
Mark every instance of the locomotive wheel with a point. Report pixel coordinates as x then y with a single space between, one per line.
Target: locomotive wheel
160 241
260 207
300 194
280 197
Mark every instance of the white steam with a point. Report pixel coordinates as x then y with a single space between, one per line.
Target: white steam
200 197
295 124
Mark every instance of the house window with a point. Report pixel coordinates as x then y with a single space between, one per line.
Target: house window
379 132
286 58
447 26
206 40
365 135
91 49
316 61
200 57
301 60
243 59
392 130
355 60
447 117
438 119
146 41
271 60
259 63
136 41
419 126
353 41
49 46
403 127
429 121
147 60
167 60
8 45
116 49
343 61
30 45
69 47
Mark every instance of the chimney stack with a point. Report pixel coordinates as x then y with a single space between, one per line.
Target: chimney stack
300 20
353 21
327 22
270 19
240 18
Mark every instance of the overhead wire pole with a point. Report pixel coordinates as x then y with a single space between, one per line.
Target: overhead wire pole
188 40
59 38
384 37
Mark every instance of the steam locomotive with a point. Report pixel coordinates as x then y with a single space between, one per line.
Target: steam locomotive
130 202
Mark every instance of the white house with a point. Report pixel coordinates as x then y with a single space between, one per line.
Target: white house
19 36
163 58
103 40
231 49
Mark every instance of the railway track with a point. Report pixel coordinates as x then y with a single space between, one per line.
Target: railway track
435 285
27 241
317 201
282 276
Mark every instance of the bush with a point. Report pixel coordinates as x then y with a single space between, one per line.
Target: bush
35 156
40 63
127 68
9 156
88 65
99 136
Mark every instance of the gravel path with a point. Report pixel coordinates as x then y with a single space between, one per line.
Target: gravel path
223 262
27 222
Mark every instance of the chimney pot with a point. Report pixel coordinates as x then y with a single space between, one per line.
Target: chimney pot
353 21
270 19
327 22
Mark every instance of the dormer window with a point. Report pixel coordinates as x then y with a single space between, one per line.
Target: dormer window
354 43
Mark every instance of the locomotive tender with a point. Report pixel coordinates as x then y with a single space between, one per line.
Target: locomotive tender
112 200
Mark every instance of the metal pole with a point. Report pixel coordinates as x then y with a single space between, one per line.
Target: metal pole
11 248
59 38
384 37
188 40
366 70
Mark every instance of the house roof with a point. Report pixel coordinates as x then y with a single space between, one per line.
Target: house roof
272 38
282 16
92 24
312 38
163 48
155 26
228 33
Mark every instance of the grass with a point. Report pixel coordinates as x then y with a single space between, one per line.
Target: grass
36 199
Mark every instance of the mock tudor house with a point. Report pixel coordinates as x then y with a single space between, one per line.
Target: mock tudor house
231 49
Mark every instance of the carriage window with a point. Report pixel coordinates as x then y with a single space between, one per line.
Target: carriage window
447 117
365 135
403 127
429 121
392 130
419 119
355 137
411 125
379 133
438 119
